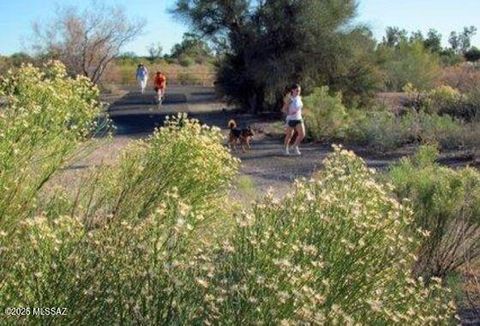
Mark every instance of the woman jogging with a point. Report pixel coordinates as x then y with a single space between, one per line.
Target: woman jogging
293 106
160 83
142 77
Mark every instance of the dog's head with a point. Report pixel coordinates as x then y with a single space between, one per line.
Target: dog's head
248 132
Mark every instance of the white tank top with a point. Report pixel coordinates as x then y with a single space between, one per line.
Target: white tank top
295 109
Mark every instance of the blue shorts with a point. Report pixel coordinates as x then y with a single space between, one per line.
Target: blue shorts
294 123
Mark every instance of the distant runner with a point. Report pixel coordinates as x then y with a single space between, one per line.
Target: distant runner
142 77
160 84
293 106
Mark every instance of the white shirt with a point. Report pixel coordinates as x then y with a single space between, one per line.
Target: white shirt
295 108
142 73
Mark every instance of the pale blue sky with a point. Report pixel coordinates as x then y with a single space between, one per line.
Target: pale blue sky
16 17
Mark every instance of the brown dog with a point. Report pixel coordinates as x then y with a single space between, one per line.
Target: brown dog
239 135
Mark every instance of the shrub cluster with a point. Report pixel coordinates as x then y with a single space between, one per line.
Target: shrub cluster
45 118
446 204
328 119
445 100
336 250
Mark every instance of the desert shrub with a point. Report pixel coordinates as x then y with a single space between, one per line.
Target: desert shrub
183 156
411 63
121 248
463 77
326 118
446 205
46 116
129 271
468 109
186 61
445 100
380 130
441 99
473 54
186 78
336 250
443 130
383 130
325 115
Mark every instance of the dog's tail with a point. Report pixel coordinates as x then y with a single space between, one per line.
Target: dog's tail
232 124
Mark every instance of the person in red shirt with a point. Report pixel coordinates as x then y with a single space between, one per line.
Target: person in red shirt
160 83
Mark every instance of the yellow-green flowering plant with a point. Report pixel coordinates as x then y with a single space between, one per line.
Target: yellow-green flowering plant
45 116
336 250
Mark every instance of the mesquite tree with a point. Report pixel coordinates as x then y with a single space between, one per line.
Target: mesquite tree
272 43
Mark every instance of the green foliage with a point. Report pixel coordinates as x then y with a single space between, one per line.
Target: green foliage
440 99
184 157
185 61
121 271
325 116
446 205
394 36
46 116
410 63
269 45
327 119
445 100
191 48
380 130
461 42
433 42
139 242
185 78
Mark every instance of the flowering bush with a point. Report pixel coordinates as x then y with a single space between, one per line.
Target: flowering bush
133 271
46 116
336 251
121 249
183 156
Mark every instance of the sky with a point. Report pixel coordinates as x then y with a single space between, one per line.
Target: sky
17 16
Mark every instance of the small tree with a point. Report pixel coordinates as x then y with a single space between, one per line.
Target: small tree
461 42
86 41
154 51
394 36
433 42
410 63
192 47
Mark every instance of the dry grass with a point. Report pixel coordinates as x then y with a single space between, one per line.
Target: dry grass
196 74
464 77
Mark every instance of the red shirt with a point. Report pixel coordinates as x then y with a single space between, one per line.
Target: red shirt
160 81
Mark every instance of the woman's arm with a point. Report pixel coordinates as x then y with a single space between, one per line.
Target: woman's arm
286 103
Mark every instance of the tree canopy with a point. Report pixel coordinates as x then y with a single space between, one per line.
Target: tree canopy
86 41
272 43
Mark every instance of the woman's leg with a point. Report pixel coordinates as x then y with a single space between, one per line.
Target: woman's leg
300 129
288 137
